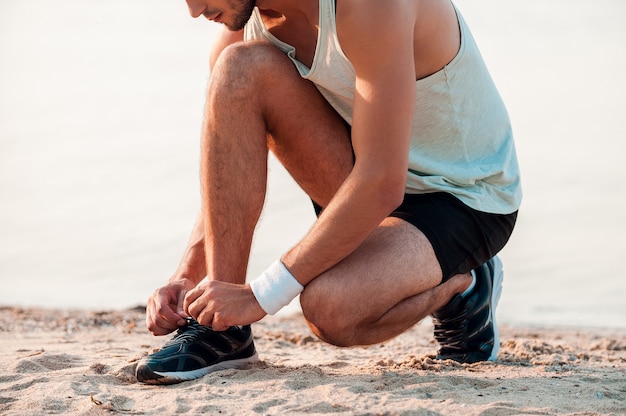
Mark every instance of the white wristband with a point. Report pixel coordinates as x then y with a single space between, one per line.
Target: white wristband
275 288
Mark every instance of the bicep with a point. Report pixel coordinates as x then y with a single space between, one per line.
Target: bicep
383 111
381 51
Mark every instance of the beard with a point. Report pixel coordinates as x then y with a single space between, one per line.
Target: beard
243 11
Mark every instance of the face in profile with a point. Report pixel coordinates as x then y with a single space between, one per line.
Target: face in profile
234 14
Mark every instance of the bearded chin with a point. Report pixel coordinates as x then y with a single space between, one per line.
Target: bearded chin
242 17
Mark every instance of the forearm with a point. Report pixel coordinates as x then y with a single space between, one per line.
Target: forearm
357 209
193 264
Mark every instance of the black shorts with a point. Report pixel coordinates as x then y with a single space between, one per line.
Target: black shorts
463 238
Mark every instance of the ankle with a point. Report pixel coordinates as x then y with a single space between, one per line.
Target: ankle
470 279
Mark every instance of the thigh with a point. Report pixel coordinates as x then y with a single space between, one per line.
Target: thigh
462 238
305 133
394 263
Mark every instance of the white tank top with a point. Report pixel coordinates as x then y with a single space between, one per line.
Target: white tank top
461 137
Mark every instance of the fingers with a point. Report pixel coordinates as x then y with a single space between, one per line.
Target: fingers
157 324
180 306
189 299
215 320
199 305
218 323
206 318
161 319
221 305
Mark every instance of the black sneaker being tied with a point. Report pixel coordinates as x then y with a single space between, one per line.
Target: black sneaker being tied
195 351
466 327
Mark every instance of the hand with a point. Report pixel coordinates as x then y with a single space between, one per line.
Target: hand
221 305
165 312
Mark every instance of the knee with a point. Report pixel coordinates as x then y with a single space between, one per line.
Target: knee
246 65
329 320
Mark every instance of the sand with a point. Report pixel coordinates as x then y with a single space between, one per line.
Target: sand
75 362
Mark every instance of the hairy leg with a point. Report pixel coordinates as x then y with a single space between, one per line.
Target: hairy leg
386 286
256 100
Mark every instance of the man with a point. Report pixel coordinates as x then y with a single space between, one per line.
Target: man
384 113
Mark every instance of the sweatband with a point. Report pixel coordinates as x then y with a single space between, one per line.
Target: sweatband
275 288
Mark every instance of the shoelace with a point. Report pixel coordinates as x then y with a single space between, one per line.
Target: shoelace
188 333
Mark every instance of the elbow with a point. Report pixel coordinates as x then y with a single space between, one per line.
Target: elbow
389 193
382 186
394 196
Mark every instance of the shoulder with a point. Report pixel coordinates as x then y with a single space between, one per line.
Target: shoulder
368 15
373 33
372 27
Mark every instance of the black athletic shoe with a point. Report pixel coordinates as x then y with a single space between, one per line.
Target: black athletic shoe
466 327
195 351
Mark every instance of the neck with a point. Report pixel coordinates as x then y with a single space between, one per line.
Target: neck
288 8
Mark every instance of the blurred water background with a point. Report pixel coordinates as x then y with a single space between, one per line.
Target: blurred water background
100 114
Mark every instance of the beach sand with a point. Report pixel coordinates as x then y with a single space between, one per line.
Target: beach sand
82 363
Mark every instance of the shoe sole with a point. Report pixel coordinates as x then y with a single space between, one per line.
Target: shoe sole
158 377
496 292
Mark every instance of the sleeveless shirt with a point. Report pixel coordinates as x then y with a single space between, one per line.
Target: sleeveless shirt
461 136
